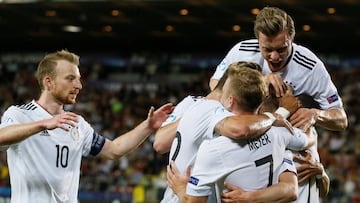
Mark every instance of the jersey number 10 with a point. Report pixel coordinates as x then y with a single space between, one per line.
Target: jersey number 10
62 156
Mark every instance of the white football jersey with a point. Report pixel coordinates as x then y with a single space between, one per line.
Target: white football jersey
46 166
196 125
309 191
180 108
250 164
304 72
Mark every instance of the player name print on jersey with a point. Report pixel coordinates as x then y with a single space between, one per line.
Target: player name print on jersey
256 143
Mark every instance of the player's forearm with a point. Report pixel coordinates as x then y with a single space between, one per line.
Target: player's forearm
129 141
332 119
13 134
243 127
281 192
323 182
164 137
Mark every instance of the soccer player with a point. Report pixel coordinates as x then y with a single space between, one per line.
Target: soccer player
45 143
195 122
285 62
261 160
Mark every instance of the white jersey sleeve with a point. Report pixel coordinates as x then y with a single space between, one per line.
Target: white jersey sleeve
180 108
247 50
298 141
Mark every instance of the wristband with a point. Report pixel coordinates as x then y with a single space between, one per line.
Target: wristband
283 112
271 116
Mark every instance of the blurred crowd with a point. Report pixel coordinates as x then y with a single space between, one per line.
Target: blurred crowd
116 96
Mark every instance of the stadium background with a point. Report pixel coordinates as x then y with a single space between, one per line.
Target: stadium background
135 54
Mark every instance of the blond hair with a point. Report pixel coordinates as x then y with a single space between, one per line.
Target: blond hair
48 64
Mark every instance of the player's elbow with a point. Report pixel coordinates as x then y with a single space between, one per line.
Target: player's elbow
293 195
239 133
160 147
344 125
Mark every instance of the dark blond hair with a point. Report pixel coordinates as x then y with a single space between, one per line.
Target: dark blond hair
246 85
48 64
271 21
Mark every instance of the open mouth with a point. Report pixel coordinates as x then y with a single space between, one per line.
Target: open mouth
276 66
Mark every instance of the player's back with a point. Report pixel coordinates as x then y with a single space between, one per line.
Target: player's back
250 164
193 128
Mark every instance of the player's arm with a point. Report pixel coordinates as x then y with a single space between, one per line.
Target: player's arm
331 119
164 137
310 167
132 139
178 182
323 182
284 191
243 126
14 133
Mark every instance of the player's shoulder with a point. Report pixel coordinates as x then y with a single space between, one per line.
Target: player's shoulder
250 45
304 57
26 107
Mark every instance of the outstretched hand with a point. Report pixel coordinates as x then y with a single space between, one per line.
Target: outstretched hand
156 118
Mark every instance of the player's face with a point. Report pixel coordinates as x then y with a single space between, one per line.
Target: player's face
67 84
275 50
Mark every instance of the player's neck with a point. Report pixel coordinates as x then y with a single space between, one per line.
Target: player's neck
215 95
49 104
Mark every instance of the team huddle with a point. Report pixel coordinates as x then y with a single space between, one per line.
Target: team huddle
251 139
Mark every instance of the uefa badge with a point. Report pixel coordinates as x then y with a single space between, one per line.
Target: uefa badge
74 133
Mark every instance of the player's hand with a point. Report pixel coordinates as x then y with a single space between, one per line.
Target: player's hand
277 82
156 118
63 121
176 181
304 118
290 103
234 195
282 122
308 166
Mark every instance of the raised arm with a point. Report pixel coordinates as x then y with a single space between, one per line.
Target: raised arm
132 139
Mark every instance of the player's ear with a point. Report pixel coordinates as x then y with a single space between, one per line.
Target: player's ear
47 81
